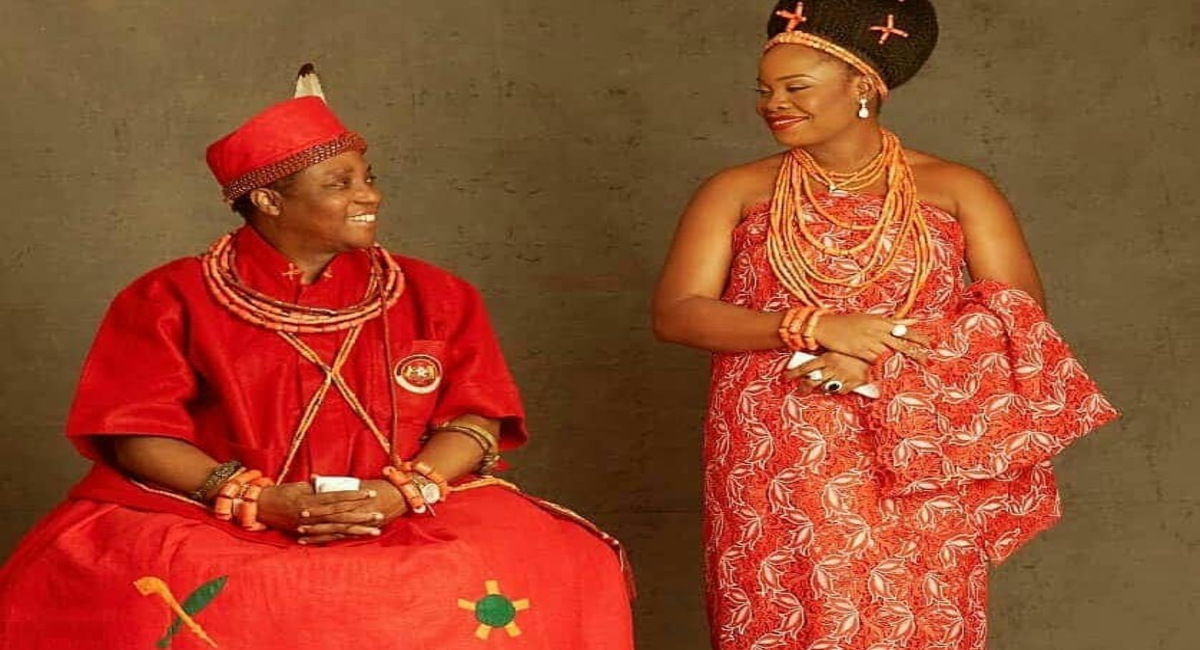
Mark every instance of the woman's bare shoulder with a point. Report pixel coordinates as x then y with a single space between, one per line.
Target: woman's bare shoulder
744 185
947 184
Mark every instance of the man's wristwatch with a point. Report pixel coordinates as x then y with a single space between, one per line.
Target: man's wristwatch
430 491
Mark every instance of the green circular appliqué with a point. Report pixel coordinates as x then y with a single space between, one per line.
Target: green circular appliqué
495 611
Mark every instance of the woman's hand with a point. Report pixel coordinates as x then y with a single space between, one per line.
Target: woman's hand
868 337
852 372
326 517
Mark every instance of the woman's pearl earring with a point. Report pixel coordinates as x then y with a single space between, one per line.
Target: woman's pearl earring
863 111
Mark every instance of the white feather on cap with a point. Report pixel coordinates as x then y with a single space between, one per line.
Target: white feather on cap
308 84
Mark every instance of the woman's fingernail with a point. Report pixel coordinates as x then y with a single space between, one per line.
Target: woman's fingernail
305 513
375 532
303 542
378 516
372 494
302 529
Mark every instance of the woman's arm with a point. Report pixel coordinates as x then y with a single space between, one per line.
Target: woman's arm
687 307
996 247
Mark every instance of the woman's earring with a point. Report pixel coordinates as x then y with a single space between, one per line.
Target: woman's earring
863 111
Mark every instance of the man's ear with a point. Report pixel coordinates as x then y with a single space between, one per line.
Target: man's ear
267 201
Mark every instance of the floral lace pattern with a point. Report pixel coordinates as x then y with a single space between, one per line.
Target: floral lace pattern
842 523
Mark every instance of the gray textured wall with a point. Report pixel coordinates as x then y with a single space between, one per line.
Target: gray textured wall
543 150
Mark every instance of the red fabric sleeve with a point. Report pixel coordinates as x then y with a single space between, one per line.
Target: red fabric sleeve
1001 395
477 380
136 379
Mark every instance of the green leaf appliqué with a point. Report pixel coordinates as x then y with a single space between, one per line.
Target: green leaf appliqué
196 601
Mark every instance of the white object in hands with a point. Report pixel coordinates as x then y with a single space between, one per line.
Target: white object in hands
800 358
335 484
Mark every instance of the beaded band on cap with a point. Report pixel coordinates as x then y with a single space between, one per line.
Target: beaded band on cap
818 43
263 176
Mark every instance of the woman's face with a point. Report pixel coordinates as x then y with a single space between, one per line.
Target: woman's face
331 206
806 97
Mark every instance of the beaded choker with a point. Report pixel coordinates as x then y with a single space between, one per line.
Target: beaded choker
384 288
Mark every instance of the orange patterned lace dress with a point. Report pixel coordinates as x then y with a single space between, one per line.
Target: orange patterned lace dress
844 523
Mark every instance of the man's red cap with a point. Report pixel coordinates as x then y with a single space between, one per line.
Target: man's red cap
279 141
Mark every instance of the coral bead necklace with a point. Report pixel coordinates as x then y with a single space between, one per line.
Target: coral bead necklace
900 226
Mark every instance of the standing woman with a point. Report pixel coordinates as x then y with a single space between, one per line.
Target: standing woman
835 519
274 425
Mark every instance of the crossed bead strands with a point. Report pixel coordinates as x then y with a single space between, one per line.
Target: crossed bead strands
384 287
333 378
900 213
795 17
888 30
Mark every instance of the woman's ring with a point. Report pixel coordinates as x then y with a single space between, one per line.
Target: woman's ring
833 386
900 330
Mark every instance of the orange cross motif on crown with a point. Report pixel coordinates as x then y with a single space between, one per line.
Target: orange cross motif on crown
794 17
889 29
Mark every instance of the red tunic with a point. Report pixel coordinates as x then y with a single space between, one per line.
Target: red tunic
170 361
844 523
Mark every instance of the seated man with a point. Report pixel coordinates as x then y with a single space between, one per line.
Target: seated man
292 437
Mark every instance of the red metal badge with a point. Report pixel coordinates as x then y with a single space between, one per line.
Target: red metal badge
419 373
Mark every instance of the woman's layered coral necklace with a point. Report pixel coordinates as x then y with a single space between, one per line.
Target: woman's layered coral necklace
384 288
900 227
